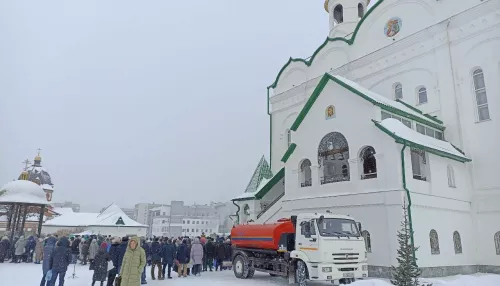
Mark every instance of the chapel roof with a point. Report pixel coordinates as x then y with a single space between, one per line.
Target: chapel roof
37 174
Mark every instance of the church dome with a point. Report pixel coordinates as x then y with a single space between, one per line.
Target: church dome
22 191
37 174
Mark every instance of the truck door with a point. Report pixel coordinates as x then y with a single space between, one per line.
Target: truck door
307 240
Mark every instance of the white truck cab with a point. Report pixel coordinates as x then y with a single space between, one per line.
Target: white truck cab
330 247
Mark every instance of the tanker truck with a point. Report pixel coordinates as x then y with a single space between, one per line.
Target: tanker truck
307 247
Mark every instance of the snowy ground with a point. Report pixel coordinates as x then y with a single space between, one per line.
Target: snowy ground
30 275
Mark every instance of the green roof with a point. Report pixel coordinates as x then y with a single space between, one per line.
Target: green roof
261 171
288 152
264 188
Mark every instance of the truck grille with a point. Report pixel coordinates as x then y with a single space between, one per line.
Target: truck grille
345 258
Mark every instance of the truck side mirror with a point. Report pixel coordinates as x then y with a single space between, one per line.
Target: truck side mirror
359 226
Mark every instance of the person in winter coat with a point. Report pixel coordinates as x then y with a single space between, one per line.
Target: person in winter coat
30 249
168 256
59 261
121 252
20 249
48 249
39 251
144 246
4 248
209 254
114 253
133 264
93 249
100 263
75 249
220 255
183 258
196 256
156 259
85 248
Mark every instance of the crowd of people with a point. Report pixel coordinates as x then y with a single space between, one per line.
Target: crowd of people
119 260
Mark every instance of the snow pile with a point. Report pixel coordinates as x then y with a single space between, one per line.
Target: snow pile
30 274
464 280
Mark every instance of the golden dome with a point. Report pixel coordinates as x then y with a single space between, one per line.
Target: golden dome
38 158
326 6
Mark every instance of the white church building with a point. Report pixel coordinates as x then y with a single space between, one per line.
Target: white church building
400 105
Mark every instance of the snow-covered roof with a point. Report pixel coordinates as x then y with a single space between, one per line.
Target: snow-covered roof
109 217
47 187
397 129
62 210
384 100
22 191
252 194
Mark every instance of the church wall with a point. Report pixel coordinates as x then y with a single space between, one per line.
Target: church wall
480 138
486 225
454 217
359 131
437 181
282 120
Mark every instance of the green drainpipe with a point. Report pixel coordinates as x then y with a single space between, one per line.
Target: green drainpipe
409 200
237 213
270 132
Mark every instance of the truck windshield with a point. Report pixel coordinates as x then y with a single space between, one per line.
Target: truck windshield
337 227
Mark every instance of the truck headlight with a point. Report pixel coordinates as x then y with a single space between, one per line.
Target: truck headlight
364 267
326 269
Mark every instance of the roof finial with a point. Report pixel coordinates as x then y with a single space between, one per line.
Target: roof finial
38 158
26 164
39 150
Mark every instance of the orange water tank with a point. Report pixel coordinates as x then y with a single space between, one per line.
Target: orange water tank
260 236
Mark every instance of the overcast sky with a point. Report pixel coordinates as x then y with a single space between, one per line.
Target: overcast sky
142 101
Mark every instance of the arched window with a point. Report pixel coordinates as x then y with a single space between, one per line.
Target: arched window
333 158
368 241
246 209
422 95
483 112
497 242
434 240
288 134
398 91
367 157
305 173
338 14
457 242
451 176
361 10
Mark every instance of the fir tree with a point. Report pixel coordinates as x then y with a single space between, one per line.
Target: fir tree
407 271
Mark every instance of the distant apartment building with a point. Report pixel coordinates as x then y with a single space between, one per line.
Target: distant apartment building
74 207
224 212
178 219
142 212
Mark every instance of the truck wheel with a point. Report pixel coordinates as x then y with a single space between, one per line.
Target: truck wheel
301 273
239 267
